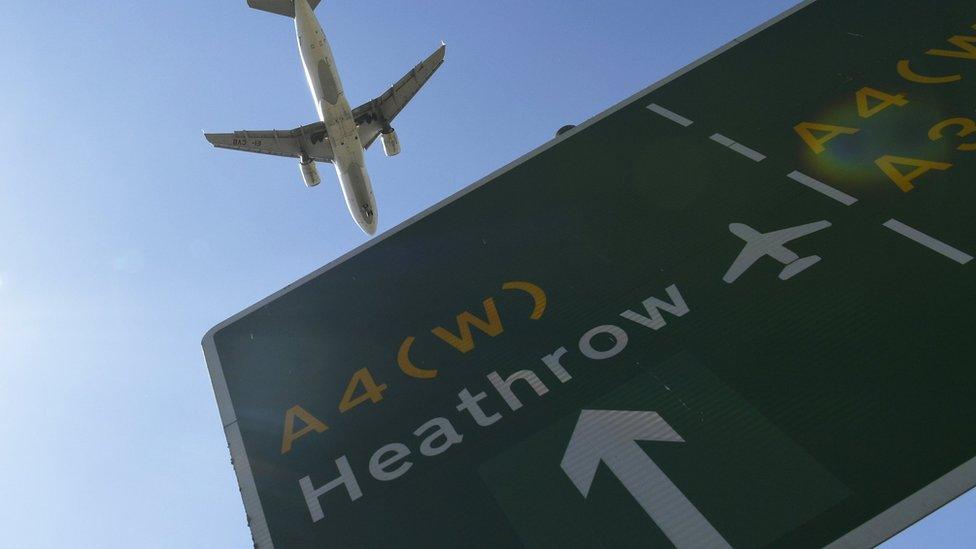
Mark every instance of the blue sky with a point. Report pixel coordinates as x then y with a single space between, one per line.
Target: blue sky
124 236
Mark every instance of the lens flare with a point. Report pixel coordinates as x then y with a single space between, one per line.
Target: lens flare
849 160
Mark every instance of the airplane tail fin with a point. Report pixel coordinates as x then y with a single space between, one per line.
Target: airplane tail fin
281 7
799 266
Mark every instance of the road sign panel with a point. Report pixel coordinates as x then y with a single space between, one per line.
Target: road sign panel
731 311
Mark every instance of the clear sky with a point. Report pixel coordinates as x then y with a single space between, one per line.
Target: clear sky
124 236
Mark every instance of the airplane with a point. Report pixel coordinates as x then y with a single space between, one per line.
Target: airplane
342 134
772 244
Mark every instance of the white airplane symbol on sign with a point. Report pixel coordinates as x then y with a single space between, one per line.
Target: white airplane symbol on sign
771 244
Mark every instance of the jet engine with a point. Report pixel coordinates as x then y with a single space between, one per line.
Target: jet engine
391 143
309 172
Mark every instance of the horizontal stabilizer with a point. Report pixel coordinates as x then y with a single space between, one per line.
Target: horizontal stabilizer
281 7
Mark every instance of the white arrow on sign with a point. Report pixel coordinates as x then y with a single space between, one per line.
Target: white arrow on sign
610 436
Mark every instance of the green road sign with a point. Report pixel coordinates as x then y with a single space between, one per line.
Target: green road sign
735 310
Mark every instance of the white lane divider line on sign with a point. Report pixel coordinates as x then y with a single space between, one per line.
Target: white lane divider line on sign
751 154
670 115
931 243
822 188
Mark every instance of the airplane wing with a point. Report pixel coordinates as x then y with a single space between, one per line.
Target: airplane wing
749 254
311 141
372 117
785 235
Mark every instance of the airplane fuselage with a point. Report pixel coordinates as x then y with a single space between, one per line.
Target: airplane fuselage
333 109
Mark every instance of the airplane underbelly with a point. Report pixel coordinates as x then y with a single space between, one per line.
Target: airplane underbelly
323 80
328 85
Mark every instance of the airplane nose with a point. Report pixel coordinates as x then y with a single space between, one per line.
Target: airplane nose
367 220
359 196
